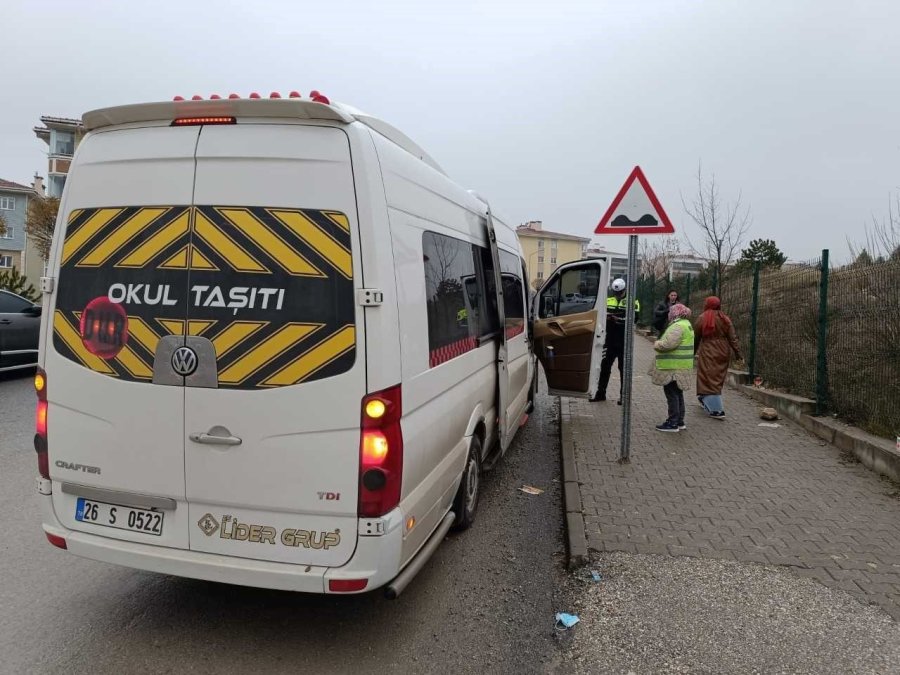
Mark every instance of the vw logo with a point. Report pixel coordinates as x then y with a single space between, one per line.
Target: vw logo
184 361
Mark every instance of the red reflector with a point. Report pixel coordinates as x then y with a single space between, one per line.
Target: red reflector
59 542
274 94
295 94
214 97
196 97
194 121
178 98
234 96
41 418
253 94
338 585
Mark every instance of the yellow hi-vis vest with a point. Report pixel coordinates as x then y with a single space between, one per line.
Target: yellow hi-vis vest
682 357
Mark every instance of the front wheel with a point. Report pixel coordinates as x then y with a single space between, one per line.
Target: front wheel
466 500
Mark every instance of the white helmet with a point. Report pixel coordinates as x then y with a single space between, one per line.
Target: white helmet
618 285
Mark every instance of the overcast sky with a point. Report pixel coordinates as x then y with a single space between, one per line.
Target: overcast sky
542 108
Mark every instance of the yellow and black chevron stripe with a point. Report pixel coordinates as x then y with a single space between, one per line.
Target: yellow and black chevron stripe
256 240
176 250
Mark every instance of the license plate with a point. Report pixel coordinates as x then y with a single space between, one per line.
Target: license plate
120 517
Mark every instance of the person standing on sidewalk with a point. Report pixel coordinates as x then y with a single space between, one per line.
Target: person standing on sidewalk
673 368
716 341
661 312
616 309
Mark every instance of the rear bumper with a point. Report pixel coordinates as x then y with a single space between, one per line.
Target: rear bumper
376 559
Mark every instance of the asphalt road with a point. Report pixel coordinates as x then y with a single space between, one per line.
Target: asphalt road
485 601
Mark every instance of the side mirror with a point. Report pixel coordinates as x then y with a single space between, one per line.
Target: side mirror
34 310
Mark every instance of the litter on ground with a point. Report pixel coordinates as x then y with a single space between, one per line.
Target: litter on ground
565 621
530 490
770 425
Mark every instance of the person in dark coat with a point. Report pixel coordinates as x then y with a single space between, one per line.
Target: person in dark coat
716 341
661 311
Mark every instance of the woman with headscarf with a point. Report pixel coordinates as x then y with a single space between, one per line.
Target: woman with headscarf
673 368
716 341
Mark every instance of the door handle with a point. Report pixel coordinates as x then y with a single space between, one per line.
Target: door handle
5 322
557 326
216 436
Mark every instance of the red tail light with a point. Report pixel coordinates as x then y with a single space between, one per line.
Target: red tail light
40 423
41 419
380 453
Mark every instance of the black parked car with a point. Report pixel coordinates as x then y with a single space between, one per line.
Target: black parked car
20 327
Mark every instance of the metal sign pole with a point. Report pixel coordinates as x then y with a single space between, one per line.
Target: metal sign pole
628 368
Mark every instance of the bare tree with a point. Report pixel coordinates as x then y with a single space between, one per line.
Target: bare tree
2 225
40 221
881 239
657 254
723 226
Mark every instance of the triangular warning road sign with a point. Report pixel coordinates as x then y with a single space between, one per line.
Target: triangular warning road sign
635 210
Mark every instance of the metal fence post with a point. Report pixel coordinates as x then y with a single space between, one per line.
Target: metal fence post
754 308
822 355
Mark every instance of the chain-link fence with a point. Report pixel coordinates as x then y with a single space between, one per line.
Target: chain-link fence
830 334
863 345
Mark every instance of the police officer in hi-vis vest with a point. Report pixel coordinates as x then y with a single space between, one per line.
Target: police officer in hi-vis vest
616 308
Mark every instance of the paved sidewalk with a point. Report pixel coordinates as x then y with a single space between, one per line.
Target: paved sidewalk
734 490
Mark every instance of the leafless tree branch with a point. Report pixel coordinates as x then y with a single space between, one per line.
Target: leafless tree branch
722 227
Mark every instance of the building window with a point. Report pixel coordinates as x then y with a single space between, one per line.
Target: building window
553 260
65 144
10 233
540 260
56 185
5 261
540 243
8 203
553 243
540 275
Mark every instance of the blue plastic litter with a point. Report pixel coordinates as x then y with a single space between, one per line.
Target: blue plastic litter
595 575
564 621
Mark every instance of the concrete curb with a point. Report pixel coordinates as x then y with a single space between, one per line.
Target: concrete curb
876 454
576 536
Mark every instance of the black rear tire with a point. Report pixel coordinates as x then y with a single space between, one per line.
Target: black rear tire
466 501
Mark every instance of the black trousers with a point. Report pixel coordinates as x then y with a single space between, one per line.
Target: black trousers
675 399
614 351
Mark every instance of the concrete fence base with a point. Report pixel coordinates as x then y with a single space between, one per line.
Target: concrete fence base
878 454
